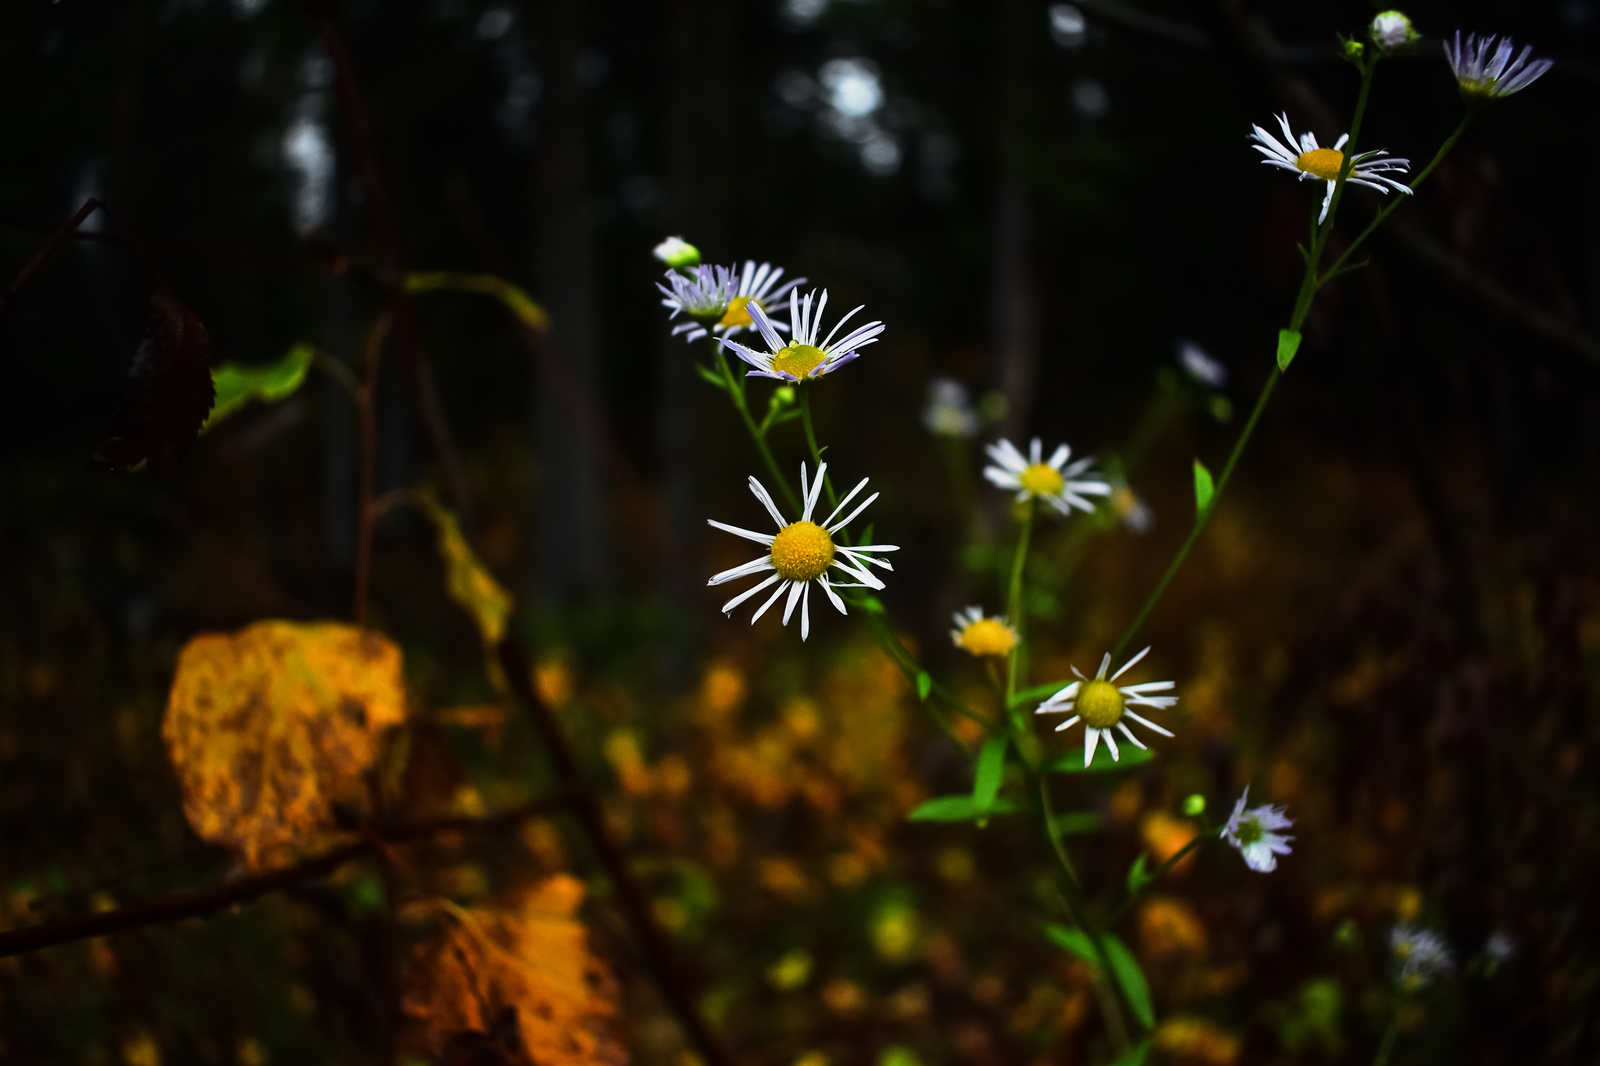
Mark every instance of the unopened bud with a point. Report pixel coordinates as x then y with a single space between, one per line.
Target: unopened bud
1354 50
1195 805
1393 33
677 253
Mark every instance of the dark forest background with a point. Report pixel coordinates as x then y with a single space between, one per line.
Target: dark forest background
1397 625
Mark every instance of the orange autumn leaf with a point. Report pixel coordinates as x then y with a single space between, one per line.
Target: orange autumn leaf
268 727
530 956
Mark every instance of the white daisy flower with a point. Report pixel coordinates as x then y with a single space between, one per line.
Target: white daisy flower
982 636
757 285
1392 32
949 411
804 356
1101 704
1053 482
801 553
677 253
1421 956
703 293
1324 164
1252 832
1487 72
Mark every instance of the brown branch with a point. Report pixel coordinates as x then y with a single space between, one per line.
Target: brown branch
668 975
68 228
243 889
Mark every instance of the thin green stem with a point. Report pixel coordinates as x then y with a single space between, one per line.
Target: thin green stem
1160 872
735 391
901 657
804 388
1389 209
1386 1045
1019 561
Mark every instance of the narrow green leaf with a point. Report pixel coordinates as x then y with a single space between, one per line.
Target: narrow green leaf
238 385
960 809
1072 761
991 769
1038 693
1288 344
924 684
1131 978
1136 1054
1138 875
1074 942
1204 489
711 377
1077 823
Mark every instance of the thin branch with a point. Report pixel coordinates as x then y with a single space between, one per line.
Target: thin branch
367 475
670 979
243 889
68 228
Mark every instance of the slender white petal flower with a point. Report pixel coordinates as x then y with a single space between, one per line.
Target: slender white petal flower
677 253
1253 833
702 293
1421 956
760 285
1486 70
1055 482
803 356
982 636
801 553
1102 704
949 411
1324 164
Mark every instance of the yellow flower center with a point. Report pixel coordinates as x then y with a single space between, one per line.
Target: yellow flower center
988 636
798 359
1042 479
1324 163
802 551
738 313
1100 704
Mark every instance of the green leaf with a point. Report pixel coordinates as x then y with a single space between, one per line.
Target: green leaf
1139 875
711 377
1072 762
238 385
1136 1054
1288 344
1131 978
1204 489
1074 942
1038 693
924 684
1077 823
989 773
960 809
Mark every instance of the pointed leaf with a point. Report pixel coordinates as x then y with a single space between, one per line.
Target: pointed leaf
1288 345
169 392
237 385
1074 942
990 770
924 684
960 809
1138 875
1131 978
1136 1054
1072 761
1204 490
468 581
711 376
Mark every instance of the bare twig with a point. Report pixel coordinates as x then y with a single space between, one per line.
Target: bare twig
68 228
669 977
366 477
241 890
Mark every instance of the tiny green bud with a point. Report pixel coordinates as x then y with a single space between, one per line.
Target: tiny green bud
677 253
1393 33
1354 50
1195 805
783 395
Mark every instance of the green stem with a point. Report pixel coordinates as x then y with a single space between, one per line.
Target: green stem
1389 209
736 396
901 657
1386 1046
1160 872
804 388
1019 561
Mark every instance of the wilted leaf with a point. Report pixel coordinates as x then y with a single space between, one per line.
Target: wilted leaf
531 957
237 385
469 582
269 726
169 392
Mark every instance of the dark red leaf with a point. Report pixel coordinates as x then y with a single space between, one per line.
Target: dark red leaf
169 392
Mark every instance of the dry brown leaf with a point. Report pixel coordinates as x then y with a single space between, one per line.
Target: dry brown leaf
269 726
531 956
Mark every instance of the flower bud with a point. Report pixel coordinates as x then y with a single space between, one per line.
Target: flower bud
1353 49
677 253
1195 805
1393 33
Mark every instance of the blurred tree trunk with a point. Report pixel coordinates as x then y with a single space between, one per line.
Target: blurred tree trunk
569 535
1016 297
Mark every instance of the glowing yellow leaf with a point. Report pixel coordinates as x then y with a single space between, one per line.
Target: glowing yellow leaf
468 581
531 957
269 726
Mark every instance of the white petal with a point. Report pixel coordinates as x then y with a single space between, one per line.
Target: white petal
754 566
1104 665
805 612
795 591
1129 734
760 492
747 593
1069 723
1146 723
861 507
1130 662
1111 742
770 601
833 597
1091 737
759 538
848 497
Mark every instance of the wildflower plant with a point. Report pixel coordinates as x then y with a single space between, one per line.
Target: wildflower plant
1015 760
